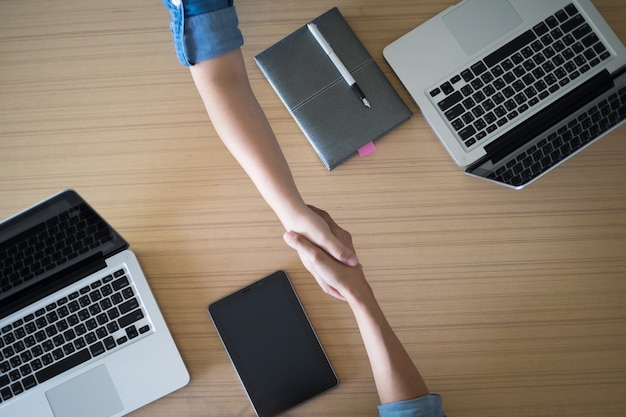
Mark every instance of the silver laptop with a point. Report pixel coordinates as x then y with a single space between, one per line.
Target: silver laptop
514 88
80 332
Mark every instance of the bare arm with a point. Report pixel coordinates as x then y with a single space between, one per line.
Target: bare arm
396 377
241 124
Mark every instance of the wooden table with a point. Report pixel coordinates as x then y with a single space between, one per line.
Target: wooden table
511 303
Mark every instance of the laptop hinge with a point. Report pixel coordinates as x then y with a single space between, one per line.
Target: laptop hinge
547 117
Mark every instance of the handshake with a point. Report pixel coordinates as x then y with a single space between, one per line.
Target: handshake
344 282
398 381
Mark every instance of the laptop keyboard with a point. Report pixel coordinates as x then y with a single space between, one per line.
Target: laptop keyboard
85 324
563 141
495 91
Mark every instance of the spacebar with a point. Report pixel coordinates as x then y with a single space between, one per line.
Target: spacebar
63 365
510 48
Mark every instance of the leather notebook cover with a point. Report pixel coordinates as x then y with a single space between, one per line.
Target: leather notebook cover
329 113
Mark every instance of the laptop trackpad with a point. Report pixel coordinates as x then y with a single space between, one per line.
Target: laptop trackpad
477 23
90 394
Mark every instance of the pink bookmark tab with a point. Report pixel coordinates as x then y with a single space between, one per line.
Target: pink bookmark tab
367 149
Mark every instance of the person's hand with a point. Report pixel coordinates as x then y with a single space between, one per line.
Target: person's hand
335 278
312 223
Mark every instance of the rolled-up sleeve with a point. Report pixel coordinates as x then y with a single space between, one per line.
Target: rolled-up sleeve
427 406
203 36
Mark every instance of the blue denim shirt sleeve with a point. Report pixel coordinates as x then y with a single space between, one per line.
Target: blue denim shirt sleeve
427 406
203 36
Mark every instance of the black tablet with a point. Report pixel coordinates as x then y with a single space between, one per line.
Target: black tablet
272 345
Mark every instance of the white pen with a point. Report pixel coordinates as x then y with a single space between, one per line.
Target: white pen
337 62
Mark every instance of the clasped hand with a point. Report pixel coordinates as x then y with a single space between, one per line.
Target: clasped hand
335 278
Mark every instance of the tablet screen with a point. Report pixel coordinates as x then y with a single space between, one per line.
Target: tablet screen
272 345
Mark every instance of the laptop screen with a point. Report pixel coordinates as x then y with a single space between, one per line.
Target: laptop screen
49 246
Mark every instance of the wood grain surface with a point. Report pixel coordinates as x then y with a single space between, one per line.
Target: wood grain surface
511 303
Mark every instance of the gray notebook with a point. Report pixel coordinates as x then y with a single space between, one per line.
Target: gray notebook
332 117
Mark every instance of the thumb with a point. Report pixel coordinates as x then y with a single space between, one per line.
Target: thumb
344 254
313 258
291 239
336 241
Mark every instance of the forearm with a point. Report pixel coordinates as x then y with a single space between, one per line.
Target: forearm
395 375
207 38
241 124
